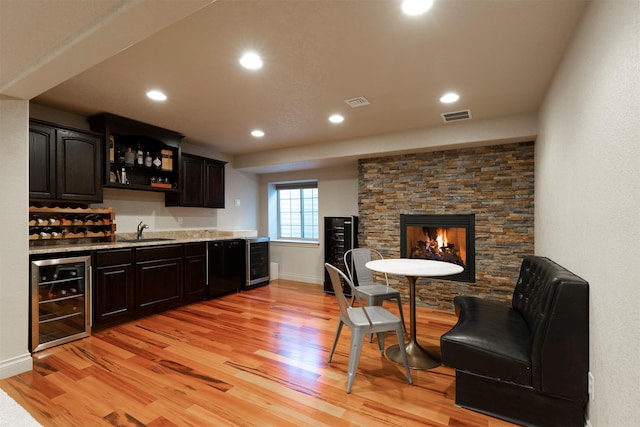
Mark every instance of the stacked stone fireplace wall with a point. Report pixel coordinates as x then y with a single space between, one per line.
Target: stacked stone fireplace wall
496 183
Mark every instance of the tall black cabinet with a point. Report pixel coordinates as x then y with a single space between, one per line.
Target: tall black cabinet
340 235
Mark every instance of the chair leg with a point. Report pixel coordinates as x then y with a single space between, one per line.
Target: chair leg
380 336
357 337
404 327
372 301
335 340
403 352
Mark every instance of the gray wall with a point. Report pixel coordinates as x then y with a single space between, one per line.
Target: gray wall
337 196
588 194
14 274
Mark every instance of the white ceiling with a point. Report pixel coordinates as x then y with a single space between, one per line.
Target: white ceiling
86 57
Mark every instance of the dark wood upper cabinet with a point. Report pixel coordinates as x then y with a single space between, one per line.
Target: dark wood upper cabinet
192 181
78 161
201 183
42 157
64 164
214 184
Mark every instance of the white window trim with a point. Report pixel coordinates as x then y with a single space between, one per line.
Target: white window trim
274 225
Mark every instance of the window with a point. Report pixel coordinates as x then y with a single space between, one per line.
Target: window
298 210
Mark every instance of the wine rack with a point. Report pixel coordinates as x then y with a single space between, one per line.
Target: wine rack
67 225
340 235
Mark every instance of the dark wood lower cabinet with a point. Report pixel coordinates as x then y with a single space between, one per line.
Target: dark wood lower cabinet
159 280
113 289
195 272
131 283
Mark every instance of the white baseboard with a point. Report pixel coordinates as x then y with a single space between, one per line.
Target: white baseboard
301 278
15 365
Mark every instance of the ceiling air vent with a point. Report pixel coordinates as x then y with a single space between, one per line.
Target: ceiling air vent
456 115
360 101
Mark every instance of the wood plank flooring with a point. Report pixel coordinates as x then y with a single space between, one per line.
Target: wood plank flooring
256 358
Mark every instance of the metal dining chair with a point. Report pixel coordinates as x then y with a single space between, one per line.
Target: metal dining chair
374 293
362 320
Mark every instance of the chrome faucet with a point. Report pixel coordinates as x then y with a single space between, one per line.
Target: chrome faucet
141 228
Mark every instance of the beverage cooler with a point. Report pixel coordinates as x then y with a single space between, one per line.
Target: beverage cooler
60 301
340 235
257 263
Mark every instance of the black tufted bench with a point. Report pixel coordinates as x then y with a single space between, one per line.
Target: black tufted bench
526 362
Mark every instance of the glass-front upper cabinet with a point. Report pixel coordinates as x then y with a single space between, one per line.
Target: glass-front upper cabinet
138 156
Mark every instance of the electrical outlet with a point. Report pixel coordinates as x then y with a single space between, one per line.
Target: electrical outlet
590 385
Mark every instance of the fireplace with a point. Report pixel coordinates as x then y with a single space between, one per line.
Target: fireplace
449 238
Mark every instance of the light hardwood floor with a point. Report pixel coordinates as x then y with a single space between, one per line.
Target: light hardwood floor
256 358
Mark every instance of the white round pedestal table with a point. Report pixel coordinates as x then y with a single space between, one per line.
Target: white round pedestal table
419 357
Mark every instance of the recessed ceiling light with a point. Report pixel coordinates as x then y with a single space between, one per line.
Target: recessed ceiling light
257 133
450 97
416 7
336 118
251 61
156 95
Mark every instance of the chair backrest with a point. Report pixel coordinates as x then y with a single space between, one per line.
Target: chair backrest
555 304
343 303
354 262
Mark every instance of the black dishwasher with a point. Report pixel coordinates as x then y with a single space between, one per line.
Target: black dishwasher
226 267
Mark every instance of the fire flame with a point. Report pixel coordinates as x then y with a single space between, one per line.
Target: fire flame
441 238
434 243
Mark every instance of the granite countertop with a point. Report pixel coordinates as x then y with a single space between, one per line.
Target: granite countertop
169 237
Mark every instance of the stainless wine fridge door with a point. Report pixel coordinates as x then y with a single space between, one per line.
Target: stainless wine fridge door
257 263
60 301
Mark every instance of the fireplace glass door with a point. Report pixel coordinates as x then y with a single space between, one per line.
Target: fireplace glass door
437 243
448 238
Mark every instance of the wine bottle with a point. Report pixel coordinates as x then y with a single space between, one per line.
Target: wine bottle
129 158
139 156
112 150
